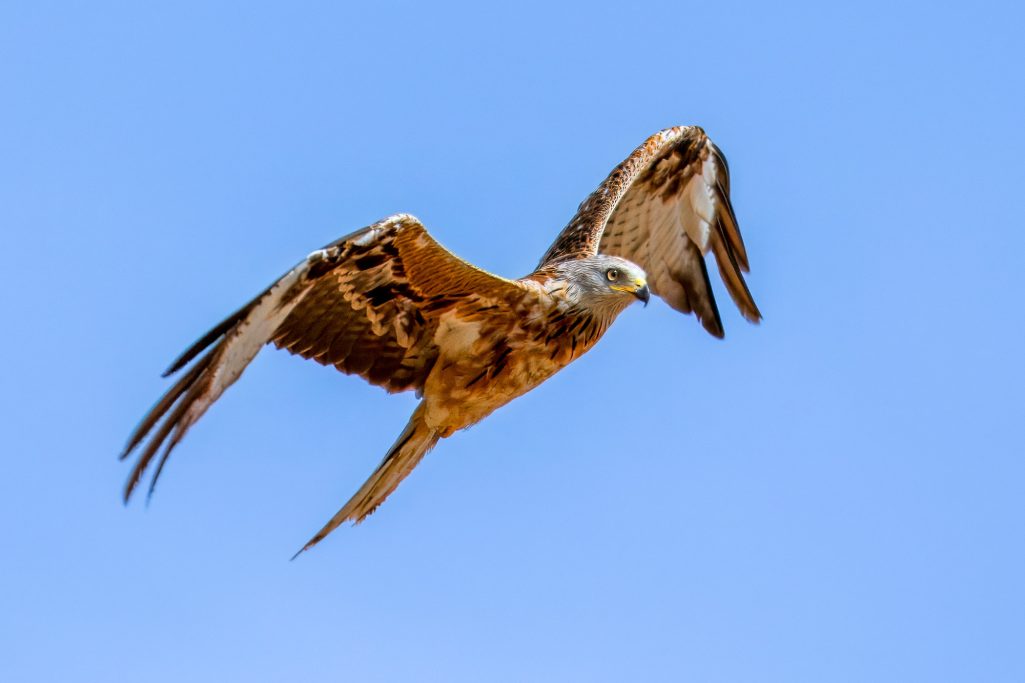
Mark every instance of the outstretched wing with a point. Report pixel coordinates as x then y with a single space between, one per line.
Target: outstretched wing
367 304
664 208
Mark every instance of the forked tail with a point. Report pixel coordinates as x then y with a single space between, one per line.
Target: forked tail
411 446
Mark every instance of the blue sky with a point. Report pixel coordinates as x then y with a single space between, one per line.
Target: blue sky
835 495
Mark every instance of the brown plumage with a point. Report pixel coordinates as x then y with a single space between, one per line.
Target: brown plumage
390 304
663 208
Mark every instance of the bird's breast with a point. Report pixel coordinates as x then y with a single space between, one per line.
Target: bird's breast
486 361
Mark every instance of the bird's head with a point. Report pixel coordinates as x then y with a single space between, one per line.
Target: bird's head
606 282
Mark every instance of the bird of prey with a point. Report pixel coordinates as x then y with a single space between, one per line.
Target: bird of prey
390 304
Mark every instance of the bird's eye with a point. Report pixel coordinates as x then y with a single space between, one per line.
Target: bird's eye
612 274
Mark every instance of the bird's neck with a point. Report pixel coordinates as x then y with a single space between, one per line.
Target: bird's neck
573 327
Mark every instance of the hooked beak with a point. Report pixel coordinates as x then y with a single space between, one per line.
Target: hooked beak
643 293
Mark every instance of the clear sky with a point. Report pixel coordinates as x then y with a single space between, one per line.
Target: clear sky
835 495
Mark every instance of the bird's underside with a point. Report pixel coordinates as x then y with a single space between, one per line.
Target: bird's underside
390 304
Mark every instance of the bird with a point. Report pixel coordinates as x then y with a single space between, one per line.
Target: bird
390 304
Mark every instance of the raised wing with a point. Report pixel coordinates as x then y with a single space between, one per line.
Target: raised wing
664 208
368 304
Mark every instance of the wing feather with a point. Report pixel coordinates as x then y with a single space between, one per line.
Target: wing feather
368 304
665 208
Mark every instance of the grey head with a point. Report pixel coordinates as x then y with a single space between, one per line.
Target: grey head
602 282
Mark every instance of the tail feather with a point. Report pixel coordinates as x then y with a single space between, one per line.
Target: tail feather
415 441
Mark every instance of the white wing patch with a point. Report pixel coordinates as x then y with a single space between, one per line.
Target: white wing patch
698 212
244 335
251 335
257 328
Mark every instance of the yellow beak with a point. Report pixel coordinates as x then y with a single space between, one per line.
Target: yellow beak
639 290
643 293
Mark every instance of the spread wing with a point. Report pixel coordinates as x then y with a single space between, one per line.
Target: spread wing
664 208
367 304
